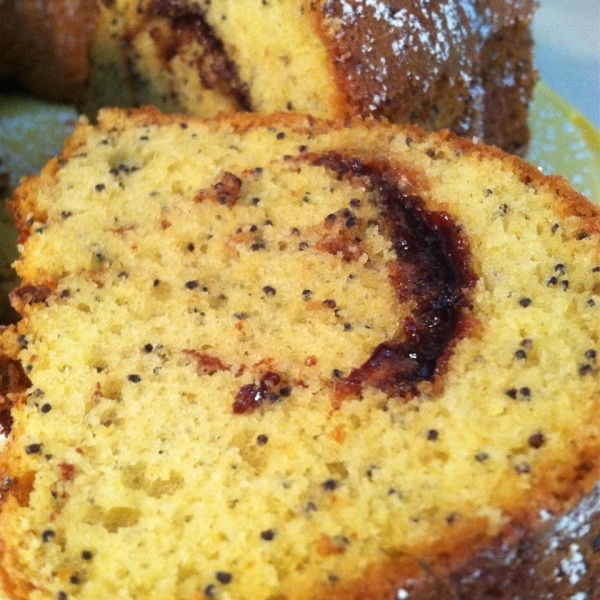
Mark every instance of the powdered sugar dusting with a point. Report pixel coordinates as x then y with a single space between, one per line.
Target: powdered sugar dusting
574 567
424 41
545 515
432 29
568 533
576 524
561 548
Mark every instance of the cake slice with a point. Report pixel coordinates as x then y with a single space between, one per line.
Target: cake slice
465 66
274 357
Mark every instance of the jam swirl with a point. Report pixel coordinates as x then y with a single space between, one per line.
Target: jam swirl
433 269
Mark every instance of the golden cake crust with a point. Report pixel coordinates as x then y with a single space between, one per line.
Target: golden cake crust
553 528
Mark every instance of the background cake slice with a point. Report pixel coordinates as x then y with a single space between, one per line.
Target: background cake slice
272 357
442 65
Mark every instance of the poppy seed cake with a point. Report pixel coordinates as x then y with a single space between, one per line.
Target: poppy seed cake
279 358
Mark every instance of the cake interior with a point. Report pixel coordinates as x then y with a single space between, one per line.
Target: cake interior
204 58
205 288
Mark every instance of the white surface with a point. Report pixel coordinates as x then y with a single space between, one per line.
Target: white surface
567 52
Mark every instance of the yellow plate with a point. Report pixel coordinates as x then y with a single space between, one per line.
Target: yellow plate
564 142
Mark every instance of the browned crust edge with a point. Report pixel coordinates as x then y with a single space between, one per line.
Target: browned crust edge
44 45
374 77
572 201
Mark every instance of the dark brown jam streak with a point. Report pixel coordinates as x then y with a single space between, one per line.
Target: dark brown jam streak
215 68
29 294
207 364
6 422
12 381
226 191
271 387
433 268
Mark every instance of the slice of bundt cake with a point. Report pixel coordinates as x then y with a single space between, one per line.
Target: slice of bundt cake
454 64
276 358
